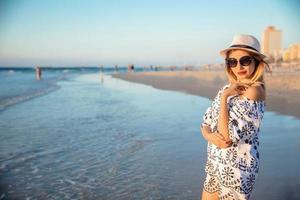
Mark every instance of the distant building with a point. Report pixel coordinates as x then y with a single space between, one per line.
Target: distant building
292 53
272 42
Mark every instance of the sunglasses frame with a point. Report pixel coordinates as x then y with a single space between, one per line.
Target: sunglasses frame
239 61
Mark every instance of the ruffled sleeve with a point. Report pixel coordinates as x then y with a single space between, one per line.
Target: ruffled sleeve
208 115
245 116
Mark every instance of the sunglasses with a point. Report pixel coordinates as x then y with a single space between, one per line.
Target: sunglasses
244 61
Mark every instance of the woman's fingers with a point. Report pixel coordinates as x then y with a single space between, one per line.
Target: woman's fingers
241 88
221 142
237 88
240 84
223 145
229 142
219 135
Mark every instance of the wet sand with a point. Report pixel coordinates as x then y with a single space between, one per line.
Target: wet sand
283 88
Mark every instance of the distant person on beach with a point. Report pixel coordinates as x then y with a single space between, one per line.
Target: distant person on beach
38 73
232 123
130 67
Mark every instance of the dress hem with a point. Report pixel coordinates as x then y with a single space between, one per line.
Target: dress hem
227 186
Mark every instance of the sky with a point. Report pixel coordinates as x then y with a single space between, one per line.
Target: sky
142 32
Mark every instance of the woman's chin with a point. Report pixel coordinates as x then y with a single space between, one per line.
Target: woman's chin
245 79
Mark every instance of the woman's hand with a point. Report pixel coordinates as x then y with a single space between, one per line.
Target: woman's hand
215 138
236 89
219 140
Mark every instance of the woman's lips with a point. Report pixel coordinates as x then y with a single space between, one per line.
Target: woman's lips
242 72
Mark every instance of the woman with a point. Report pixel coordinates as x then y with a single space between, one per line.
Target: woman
231 124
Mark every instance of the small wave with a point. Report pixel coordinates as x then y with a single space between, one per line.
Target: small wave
77 183
5 103
23 157
10 72
35 170
135 146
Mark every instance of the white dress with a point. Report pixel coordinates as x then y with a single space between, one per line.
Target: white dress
232 171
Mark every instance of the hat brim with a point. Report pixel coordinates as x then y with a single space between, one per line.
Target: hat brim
224 51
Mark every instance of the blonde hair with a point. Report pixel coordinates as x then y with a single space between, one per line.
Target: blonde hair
258 74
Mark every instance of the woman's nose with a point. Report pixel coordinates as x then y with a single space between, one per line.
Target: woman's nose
239 66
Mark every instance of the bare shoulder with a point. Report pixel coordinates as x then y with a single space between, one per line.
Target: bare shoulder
255 92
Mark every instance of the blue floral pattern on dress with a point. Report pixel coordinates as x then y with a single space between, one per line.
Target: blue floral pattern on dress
232 171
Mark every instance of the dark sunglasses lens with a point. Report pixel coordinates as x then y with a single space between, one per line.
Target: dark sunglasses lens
231 62
245 61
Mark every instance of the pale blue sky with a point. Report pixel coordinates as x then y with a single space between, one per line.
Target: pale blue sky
163 32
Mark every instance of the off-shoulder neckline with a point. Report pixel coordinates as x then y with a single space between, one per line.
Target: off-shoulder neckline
251 100
245 98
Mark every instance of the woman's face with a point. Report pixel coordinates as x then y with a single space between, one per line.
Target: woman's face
240 71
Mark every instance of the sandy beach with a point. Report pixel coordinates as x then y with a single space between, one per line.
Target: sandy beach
283 88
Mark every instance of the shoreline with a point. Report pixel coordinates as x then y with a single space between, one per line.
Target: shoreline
283 89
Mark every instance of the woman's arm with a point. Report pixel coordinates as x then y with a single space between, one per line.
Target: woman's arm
223 120
223 117
234 89
214 138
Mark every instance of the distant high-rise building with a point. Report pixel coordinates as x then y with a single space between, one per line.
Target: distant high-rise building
272 42
292 53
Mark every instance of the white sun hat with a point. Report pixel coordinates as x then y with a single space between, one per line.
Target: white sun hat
244 42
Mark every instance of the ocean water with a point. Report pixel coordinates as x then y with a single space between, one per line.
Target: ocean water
96 137
20 85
